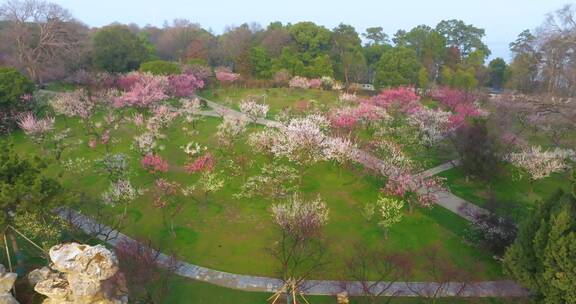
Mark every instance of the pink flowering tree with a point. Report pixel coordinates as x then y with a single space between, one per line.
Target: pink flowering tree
147 91
204 163
225 76
154 164
403 99
416 190
166 199
184 85
315 83
37 128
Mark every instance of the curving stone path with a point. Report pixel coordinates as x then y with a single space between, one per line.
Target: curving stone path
503 288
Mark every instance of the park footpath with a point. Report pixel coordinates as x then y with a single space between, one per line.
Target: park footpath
504 288
467 210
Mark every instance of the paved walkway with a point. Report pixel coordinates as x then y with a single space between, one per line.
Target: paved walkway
446 199
310 287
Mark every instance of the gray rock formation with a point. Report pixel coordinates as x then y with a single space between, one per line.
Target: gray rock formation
80 274
7 280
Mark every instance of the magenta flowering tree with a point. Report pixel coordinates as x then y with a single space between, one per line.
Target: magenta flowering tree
154 164
204 163
402 97
147 91
344 120
127 81
184 85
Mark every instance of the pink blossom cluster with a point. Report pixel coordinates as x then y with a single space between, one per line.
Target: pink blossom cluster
413 188
300 82
204 163
315 83
460 102
33 126
224 75
184 85
125 82
450 97
348 118
402 98
148 90
154 164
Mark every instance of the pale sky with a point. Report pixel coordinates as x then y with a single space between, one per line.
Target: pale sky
502 19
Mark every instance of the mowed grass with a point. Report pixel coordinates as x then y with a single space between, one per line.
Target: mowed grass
515 196
277 98
234 235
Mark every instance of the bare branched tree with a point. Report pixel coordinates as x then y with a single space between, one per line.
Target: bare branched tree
375 274
147 271
42 33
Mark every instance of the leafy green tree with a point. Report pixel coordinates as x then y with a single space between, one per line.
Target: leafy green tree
397 67
466 37
116 49
497 72
13 85
429 45
25 186
376 36
423 78
261 63
465 79
160 67
346 50
543 258
524 66
289 61
320 66
310 39
447 76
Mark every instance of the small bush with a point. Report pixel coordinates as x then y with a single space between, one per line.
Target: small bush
13 85
160 67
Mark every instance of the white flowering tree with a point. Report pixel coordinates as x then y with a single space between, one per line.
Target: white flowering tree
387 211
433 125
537 163
300 218
300 250
230 130
302 140
190 110
254 110
121 193
275 181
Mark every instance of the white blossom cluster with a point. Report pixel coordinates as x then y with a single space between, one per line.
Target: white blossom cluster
539 163
254 110
120 192
433 124
301 218
230 129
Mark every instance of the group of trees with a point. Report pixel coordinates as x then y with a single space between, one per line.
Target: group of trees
544 59
451 53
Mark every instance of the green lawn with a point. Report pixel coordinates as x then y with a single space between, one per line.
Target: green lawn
233 235
516 196
277 98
